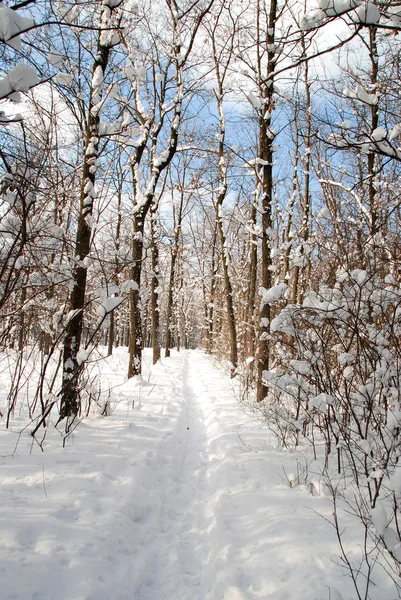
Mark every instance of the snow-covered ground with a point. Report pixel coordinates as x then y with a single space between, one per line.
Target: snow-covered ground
177 495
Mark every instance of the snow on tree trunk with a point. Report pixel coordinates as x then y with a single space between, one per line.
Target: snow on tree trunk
266 138
70 405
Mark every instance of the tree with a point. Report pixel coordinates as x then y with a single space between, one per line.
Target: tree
159 124
222 47
70 402
180 195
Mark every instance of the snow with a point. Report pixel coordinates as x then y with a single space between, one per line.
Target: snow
90 150
348 372
130 284
379 519
365 446
283 322
19 79
273 294
56 59
346 357
64 78
394 13
301 366
379 134
20 262
321 401
72 314
106 291
97 79
108 305
112 3
88 187
327 9
359 275
360 94
367 14
141 73
161 158
177 494
68 13
5 119
324 213
12 24
392 541
256 102
299 260
257 161
395 132
337 7
82 355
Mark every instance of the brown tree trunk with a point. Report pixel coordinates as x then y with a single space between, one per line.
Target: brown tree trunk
295 186
135 333
169 308
154 290
374 110
297 292
170 295
70 396
228 289
232 328
112 327
266 154
210 307
253 271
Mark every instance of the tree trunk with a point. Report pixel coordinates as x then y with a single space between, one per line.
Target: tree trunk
135 333
228 289
70 393
170 295
112 327
297 292
374 111
253 270
169 308
266 154
210 307
154 290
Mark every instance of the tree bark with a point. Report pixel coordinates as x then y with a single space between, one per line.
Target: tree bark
250 333
210 307
297 292
266 154
135 333
170 294
228 288
154 290
117 265
70 394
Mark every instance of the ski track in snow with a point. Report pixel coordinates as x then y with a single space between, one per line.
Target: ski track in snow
179 498
180 547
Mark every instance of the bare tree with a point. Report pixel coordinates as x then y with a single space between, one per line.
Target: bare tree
70 402
159 130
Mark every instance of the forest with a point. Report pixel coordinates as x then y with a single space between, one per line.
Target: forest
220 175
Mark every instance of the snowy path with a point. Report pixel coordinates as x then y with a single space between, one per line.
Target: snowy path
179 498
180 547
222 502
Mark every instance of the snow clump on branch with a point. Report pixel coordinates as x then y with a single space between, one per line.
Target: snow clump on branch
326 10
12 25
20 79
273 294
